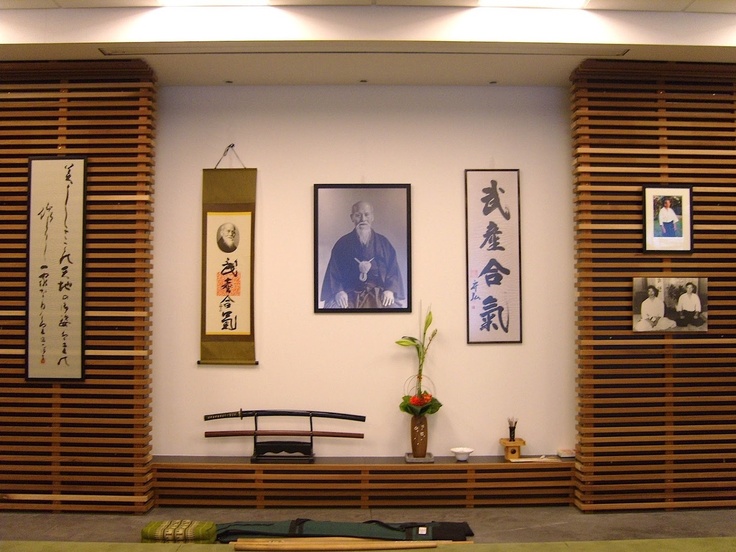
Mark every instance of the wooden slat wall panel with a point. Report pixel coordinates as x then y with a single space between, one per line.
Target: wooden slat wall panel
384 483
81 445
657 412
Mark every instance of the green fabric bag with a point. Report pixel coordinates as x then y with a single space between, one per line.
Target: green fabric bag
372 529
180 530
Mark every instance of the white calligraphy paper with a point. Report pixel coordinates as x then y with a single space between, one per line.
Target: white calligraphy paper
56 269
228 273
493 256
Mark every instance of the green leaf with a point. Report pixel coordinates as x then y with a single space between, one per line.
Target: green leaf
421 347
428 321
430 408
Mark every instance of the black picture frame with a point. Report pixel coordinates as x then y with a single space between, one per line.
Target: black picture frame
670 232
336 247
56 269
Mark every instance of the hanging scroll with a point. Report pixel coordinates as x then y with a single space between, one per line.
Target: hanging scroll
228 217
55 314
493 256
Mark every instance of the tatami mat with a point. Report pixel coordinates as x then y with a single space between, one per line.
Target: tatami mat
491 526
724 544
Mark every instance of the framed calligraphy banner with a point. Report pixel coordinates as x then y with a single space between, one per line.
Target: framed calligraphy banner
362 248
228 219
55 313
668 219
493 253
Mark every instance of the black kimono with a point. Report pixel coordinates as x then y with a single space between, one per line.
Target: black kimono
364 272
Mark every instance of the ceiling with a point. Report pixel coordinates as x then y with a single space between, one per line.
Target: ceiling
700 6
369 62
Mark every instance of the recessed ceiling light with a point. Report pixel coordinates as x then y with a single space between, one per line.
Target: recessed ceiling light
555 4
210 3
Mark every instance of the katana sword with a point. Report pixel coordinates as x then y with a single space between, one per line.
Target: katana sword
305 413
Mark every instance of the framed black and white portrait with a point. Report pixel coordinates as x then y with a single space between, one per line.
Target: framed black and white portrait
670 304
362 248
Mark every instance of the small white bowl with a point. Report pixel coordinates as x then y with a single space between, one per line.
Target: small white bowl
461 453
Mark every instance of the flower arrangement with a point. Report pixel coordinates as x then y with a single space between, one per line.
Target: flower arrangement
420 401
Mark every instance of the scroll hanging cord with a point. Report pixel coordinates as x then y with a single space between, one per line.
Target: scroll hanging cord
227 149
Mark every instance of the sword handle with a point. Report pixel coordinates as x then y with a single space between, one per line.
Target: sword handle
221 415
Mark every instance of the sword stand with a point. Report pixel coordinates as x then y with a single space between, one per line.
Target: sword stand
289 452
280 450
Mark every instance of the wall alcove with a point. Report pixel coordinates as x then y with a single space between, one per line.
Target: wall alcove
656 412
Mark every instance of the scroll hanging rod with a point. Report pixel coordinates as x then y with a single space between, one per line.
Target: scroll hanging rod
227 150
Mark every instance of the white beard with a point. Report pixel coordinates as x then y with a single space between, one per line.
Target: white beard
364 233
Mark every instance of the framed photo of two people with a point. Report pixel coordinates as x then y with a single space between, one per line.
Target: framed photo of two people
362 248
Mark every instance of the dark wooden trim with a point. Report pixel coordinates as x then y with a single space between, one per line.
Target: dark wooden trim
78 71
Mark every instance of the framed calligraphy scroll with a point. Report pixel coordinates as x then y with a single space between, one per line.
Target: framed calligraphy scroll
362 248
55 312
228 219
493 253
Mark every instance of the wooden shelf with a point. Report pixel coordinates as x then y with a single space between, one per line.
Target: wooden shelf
360 482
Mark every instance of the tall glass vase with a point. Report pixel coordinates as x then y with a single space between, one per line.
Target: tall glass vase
419 436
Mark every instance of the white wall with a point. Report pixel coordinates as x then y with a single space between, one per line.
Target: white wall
426 136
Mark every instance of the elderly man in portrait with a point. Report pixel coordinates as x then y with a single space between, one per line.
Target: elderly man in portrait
227 237
363 271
